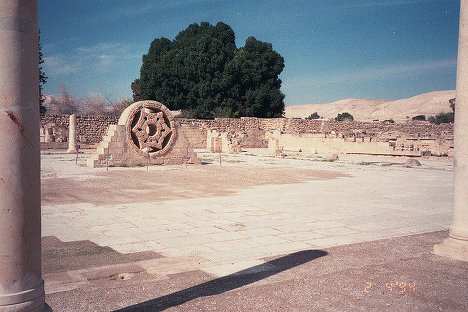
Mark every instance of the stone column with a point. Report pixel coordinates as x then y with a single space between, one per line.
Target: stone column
456 246
72 135
47 137
21 284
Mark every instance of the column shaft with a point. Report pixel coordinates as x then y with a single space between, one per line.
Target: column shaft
459 227
72 135
21 284
456 246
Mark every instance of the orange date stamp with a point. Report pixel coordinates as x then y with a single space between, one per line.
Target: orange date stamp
391 287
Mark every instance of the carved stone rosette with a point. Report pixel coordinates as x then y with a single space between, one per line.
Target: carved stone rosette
150 128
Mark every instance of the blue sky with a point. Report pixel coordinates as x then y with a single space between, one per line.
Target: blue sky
333 49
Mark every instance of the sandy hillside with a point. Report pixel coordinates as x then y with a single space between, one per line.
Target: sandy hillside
50 102
427 104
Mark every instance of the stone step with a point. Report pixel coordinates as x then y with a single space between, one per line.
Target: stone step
92 162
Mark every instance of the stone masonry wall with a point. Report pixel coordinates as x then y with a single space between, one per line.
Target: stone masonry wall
295 126
91 129
400 138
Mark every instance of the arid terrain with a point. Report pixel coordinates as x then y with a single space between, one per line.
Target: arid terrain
428 104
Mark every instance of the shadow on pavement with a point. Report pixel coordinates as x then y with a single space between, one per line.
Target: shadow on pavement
229 282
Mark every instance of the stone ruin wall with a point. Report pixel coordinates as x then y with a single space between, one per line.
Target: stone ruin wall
296 126
411 138
91 129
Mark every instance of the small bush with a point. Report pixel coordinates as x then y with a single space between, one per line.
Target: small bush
344 116
419 117
313 116
441 118
444 117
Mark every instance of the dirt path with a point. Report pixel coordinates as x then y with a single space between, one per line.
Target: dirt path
120 185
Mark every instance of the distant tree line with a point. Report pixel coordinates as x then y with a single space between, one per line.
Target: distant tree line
340 117
441 117
204 74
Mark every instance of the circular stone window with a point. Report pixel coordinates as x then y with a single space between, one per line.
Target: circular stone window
150 127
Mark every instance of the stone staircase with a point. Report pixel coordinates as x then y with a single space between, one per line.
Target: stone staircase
115 151
114 139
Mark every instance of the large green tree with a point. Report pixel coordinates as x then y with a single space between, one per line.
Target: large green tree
203 73
253 79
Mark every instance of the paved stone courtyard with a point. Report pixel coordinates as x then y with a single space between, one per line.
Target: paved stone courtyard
299 203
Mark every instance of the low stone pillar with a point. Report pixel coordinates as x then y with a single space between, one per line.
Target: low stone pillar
72 135
21 284
456 246
47 137
209 140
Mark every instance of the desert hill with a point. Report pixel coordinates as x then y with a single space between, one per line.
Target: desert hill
50 103
55 104
428 104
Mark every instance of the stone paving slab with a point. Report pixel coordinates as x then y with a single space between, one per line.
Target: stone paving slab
372 203
385 275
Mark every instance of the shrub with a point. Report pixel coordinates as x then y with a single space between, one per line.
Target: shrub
441 118
313 116
419 117
344 117
444 117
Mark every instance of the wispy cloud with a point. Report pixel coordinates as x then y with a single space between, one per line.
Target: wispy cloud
377 3
101 57
49 47
98 48
151 7
58 64
371 73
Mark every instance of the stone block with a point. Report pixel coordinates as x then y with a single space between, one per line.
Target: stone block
92 163
103 150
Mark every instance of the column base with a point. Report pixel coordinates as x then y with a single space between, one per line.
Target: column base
453 248
35 305
72 151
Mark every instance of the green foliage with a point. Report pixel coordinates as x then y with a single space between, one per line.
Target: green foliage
452 104
419 117
136 90
441 118
222 112
201 72
42 79
344 117
313 116
444 117
252 77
